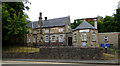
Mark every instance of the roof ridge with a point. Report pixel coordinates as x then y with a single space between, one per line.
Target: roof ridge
57 18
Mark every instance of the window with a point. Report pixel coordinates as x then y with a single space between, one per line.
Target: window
93 37
34 32
84 37
60 29
46 38
106 38
47 31
34 39
75 36
61 38
29 31
29 40
53 39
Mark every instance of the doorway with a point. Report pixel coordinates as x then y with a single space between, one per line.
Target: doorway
69 41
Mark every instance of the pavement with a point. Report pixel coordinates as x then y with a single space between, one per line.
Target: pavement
107 62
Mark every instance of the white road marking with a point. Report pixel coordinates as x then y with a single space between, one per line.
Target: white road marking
26 62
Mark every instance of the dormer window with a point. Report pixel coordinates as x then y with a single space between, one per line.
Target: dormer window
47 31
60 29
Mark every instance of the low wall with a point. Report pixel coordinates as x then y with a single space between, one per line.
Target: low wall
71 53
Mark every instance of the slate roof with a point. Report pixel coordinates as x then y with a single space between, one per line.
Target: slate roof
84 25
29 24
51 22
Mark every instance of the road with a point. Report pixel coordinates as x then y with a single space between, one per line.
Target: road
26 63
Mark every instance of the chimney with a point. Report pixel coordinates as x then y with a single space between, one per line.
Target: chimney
40 15
95 24
45 18
40 20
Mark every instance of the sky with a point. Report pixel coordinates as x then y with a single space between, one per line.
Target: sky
76 9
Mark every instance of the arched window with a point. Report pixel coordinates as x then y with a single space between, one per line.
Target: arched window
46 38
53 38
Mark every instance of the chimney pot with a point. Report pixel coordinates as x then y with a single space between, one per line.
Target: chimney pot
45 18
95 24
40 13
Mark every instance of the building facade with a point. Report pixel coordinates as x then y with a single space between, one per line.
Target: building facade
49 31
57 31
85 35
110 39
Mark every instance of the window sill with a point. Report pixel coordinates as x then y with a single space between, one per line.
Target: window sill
46 42
84 40
53 41
60 41
93 40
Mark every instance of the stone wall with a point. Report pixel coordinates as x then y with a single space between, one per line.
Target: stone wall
67 53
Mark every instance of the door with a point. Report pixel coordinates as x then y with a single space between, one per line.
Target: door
119 42
69 41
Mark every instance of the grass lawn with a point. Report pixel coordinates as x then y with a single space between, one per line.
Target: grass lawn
109 56
21 49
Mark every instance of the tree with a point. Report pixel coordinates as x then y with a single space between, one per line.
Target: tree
13 20
76 23
117 19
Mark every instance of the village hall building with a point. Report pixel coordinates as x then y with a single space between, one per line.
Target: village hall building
58 32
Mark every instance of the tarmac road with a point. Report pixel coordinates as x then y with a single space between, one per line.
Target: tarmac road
26 63
55 65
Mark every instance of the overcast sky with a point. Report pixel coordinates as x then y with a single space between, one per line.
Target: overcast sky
76 9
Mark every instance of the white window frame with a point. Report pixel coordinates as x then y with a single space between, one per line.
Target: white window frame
53 38
84 37
29 40
105 37
93 37
75 36
46 38
35 32
29 31
60 29
34 39
47 31
61 39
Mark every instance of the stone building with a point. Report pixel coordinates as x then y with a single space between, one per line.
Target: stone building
58 31
49 31
85 35
109 39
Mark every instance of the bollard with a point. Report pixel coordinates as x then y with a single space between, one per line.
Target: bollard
105 49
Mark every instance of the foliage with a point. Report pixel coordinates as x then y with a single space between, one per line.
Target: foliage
76 23
107 24
117 19
13 19
14 22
